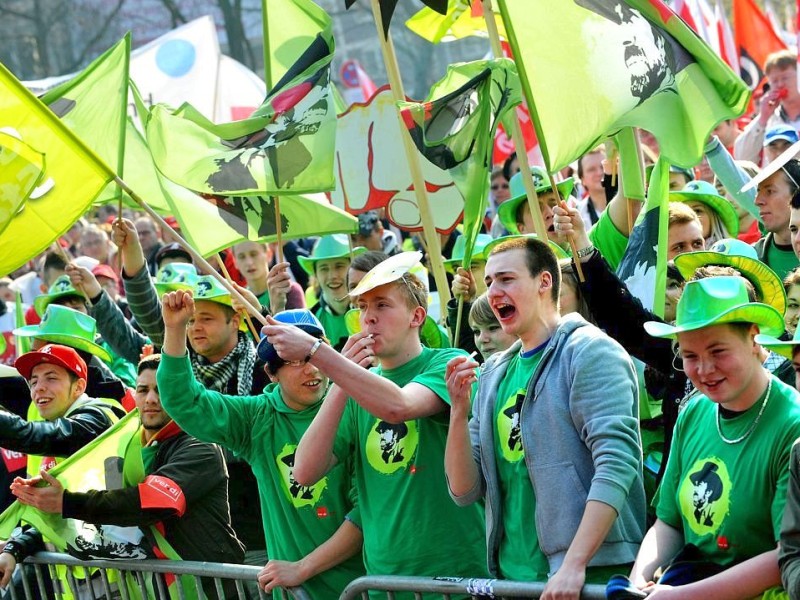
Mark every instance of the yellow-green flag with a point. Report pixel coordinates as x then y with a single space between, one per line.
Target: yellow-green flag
94 105
73 176
289 28
21 168
464 18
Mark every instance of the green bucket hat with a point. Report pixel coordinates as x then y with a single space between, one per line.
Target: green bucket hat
507 211
175 276
326 248
431 334
715 301
61 288
706 193
557 250
457 257
68 327
742 257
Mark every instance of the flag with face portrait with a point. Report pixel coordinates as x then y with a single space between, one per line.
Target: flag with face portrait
454 129
591 67
285 147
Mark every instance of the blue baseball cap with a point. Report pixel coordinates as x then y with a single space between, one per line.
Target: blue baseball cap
786 133
299 317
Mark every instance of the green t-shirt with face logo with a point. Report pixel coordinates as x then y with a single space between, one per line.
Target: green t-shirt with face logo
265 433
728 499
411 525
520 557
334 325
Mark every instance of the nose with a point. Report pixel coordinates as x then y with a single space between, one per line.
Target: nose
152 398
705 366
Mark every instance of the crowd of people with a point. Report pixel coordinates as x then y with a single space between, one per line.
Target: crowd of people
542 426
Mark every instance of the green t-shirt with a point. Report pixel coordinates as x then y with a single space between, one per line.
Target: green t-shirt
728 499
520 557
411 525
263 299
781 260
265 432
334 325
608 240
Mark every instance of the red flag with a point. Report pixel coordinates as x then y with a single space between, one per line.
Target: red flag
358 86
725 34
755 40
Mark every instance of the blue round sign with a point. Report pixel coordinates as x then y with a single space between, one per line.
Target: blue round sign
176 57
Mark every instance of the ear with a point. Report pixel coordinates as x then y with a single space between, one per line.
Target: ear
272 378
546 279
80 388
236 319
418 317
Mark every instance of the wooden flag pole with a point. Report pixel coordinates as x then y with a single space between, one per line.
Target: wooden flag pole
516 132
198 259
412 155
278 231
243 313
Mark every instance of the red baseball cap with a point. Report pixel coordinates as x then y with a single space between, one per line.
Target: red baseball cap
102 270
55 354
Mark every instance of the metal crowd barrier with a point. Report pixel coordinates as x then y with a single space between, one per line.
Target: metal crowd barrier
449 587
144 585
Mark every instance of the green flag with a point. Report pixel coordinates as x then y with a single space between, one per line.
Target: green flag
96 466
644 265
454 129
21 169
591 67
290 26
94 105
21 343
286 147
73 177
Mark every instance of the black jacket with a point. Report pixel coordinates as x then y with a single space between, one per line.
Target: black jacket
199 527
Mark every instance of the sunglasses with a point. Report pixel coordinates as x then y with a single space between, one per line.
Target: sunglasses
498 186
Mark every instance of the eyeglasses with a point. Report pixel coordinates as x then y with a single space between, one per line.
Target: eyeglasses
499 186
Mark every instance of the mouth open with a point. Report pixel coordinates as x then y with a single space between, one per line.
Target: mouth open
505 311
313 383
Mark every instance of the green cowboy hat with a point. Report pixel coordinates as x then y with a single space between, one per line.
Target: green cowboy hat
175 276
706 193
68 327
783 347
688 173
714 301
507 212
431 334
457 256
61 288
742 257
557 250
328 247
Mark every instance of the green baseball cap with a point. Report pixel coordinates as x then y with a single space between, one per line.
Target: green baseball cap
715 301
61 288
326 248
67 327
557 250
706 193
175 276
742 257
507 211
457 256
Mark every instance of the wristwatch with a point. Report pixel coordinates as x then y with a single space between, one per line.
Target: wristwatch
584 252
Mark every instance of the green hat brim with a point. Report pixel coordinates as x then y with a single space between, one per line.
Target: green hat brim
507 211
557 250
308 263
225 300
451 264
164 288
769 321
719 205
783 347
65 339
41 303
767 283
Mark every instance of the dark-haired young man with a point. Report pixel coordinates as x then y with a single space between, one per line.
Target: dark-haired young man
774 202
553 444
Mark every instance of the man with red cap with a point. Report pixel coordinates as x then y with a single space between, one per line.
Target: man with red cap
70 419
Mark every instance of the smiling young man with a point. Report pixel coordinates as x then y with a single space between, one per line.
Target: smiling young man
553 443
391 421
312 533
774 198
328 263
70 419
